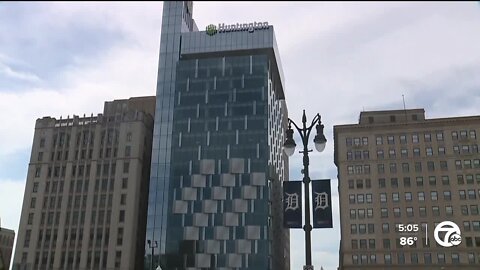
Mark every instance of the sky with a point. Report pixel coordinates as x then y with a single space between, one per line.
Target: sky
339 58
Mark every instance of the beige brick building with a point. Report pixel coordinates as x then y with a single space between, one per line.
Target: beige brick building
82 207
397 168
7 238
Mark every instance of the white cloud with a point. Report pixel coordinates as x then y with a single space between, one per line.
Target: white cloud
11 194
123 71
17 74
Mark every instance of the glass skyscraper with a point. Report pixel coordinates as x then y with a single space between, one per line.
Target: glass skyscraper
217 161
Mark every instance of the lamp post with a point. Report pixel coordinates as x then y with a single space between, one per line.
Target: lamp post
152 246
289 148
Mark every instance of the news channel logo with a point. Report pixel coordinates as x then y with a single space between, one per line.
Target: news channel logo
447 234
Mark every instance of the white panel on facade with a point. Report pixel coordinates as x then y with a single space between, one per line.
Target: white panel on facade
221 233
212 247
219 193
257 179
230 219
243 246
180 207
209 206
253 232
189 194
202 260
234 260
237 165
200 220
227 180
190 233
207 166
240 206
249 192
199 180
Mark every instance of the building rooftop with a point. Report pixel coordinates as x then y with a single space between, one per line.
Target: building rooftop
368 119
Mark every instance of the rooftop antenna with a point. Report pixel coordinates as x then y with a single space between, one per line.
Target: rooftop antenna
404 108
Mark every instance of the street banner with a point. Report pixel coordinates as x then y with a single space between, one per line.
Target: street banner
322 204
292 204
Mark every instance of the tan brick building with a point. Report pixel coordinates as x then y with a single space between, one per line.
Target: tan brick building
82 207
7 238
397 168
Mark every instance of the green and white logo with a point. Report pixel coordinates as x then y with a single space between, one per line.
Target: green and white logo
223 28
211 30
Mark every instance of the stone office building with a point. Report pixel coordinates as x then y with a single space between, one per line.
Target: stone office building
397 168
84 205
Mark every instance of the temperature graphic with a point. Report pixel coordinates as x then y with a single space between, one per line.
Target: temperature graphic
408 240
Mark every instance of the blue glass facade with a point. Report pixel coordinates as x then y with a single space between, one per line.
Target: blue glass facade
176 19
217 164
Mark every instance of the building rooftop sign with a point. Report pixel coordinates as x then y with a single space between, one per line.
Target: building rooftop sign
250 27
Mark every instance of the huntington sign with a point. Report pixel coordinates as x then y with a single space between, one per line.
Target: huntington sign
222 28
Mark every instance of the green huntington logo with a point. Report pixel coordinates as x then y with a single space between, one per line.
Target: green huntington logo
211 30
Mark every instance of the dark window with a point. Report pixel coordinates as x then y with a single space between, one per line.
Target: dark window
406 182
368 183
42 142
454 135
443 165
415 138
419 181
365 140
121 217
359 183
445 180
354 244
427 137
440 136
37 172
348 141
385 228
381 182
422 211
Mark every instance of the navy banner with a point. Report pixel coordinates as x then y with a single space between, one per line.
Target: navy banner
292 204
322 204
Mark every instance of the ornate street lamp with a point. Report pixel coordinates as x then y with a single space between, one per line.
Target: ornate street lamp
289 148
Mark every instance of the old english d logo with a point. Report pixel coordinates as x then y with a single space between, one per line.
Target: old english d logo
322 204
292 204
